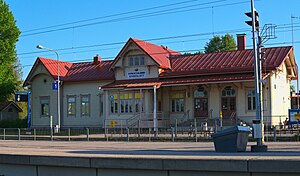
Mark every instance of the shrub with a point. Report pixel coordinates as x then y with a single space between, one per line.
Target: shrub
17 123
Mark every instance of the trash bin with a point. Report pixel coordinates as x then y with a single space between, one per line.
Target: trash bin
232 139
56 129
204 126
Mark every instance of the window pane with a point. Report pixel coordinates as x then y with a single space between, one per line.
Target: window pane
232 103
136 60
116 107
85 105
173 105
45 106
181 105
71 105
142 60
249 103
131 61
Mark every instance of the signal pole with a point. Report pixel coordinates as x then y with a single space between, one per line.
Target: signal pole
258 123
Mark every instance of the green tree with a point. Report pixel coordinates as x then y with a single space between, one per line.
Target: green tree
220 43
9 67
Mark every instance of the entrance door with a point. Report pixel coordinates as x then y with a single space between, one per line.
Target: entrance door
201 107
228 102
228 107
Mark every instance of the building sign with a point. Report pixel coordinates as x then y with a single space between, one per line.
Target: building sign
136 74
55 86
21 97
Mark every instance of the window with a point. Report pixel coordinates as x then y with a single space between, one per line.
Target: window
45 110
114 103
137 100
137 60
71 105
228 92
85 105
228 101
129 102
126 102
177 101
251 104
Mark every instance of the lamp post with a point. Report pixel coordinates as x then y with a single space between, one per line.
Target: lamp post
58 82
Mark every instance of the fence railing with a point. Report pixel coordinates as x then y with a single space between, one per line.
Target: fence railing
197 130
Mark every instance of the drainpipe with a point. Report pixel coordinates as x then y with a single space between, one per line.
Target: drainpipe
154 110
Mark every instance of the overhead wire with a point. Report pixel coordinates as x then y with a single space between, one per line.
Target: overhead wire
109 16
149 14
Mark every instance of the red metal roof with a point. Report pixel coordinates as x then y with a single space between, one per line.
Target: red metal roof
183 69
52 67
230 62
160 54
84 71
88 71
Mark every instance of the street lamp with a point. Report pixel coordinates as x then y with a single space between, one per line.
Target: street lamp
58 81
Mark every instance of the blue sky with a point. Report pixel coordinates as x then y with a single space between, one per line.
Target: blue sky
188 23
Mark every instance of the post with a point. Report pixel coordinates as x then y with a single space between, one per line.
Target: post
176 125
139 129
127 134
256 68
28 110
51 129
87 134
140 109
121 132
149 134
154 111
172 134
221 120
34 134
216 125
260 85
69 134
195 126
58 82
106 134
19 134
274 131
3 133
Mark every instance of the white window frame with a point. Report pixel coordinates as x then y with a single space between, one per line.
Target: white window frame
136 60
250 93
46 101
69 103
180 100
125 105
87 104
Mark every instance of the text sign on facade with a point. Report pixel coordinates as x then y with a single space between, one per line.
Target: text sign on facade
136 74
55 86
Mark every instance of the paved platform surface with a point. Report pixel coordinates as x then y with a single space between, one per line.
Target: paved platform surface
161 150
44 158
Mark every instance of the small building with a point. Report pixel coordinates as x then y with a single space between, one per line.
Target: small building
9 110
152 85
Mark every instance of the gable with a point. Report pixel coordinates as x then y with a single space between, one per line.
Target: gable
37 69
9 104
48 67
158 54
132 50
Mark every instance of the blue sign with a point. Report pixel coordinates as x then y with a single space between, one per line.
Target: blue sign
55 86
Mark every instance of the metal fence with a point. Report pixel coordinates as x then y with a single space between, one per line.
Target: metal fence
190 130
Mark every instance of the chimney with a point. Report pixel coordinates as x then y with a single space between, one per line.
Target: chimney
241 41
97 59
